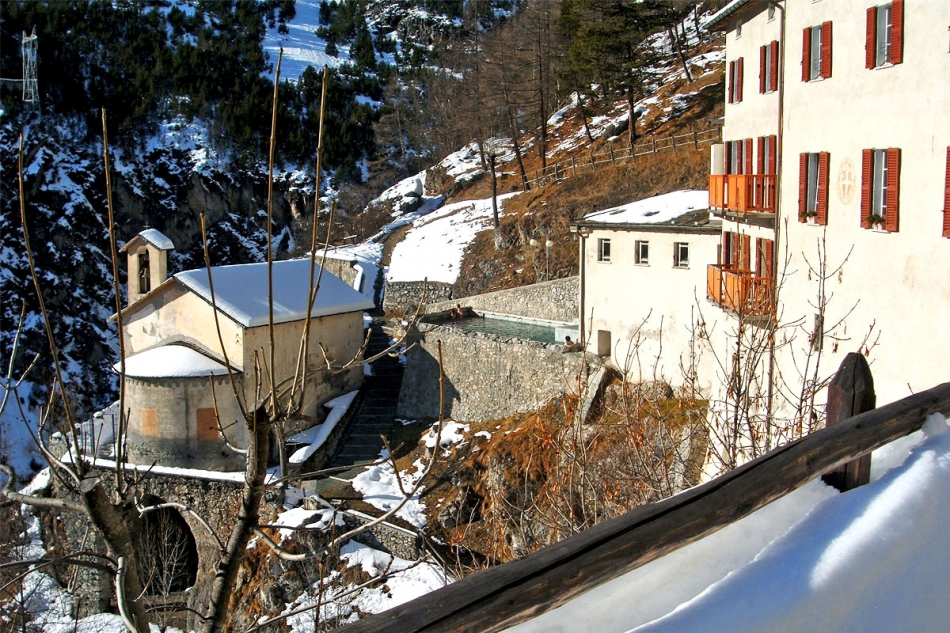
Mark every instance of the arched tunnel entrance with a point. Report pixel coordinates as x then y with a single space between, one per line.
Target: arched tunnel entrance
168 561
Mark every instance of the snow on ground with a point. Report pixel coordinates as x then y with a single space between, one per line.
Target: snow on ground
302 47
315 436
404 581
433 247
380 488
653 210
452 433
876 558
367 258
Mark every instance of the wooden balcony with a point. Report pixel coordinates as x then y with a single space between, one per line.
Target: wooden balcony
739 291
743 193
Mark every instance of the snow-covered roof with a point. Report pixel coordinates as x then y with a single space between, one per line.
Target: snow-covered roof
241 292
725 12
653 210
171 361
154 237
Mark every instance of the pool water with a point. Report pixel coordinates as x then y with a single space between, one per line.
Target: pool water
504 327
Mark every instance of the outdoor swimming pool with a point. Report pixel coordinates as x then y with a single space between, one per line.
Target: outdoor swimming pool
503 327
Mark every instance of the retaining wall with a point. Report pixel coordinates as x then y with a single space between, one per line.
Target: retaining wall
554 300
406 295
486 376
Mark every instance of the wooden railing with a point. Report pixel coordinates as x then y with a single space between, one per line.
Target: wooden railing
742 192
740 291
578 163
500 597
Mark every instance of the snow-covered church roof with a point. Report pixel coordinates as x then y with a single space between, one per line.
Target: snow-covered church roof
241 292
171 361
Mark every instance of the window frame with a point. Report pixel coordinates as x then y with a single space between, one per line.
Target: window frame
817 52
884 36
680 254
813 176
736 72
603 249
880 189
642 252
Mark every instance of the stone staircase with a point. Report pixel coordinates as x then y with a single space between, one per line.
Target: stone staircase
377 412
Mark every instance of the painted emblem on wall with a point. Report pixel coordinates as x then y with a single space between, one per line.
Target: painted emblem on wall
847 181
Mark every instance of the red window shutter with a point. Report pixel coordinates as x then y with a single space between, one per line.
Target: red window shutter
866 178
822 188
773 153
760 158
891 219
761 69
769 266
870 42
748 156
897 31
745 255
728 148
802 185
739 73
826 50
759 248
946 199
806 54
773 77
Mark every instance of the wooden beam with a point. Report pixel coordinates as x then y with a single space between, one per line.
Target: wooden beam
851 392
503 596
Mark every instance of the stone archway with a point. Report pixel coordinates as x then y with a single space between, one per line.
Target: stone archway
169 553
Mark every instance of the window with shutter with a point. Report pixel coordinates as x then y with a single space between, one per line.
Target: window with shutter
760 155
825 61
741 63
745 253
772 153
813 188
735 80
884 35
773 66
880 189
748 156
763 68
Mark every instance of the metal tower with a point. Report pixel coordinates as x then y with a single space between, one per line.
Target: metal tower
31 93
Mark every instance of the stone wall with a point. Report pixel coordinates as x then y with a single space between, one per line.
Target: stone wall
342 268
554 300
486 376
406 295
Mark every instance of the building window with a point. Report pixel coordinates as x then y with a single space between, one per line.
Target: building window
816 52
603 250
145 275
885 35
643 252
768 67
735 80
880 188
813 188
739 156
680 255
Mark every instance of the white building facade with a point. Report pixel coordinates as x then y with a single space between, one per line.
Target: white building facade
836 163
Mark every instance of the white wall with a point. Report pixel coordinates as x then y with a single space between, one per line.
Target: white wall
895 285
654 304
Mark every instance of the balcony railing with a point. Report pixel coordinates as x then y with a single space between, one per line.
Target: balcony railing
740 291
742 192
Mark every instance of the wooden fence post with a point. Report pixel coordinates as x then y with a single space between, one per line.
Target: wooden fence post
555 172
695 140
611 154
573 166
654 147
851 392
673 141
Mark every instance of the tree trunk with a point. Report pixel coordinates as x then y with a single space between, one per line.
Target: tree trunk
224 584
675 43
580 105
632 128
496 224
113 522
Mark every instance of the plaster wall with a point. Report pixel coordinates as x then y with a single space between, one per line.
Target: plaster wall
178 315
757 114
649 308
340 334
891 285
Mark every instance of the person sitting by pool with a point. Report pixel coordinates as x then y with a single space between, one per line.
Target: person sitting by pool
570 346
456 312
